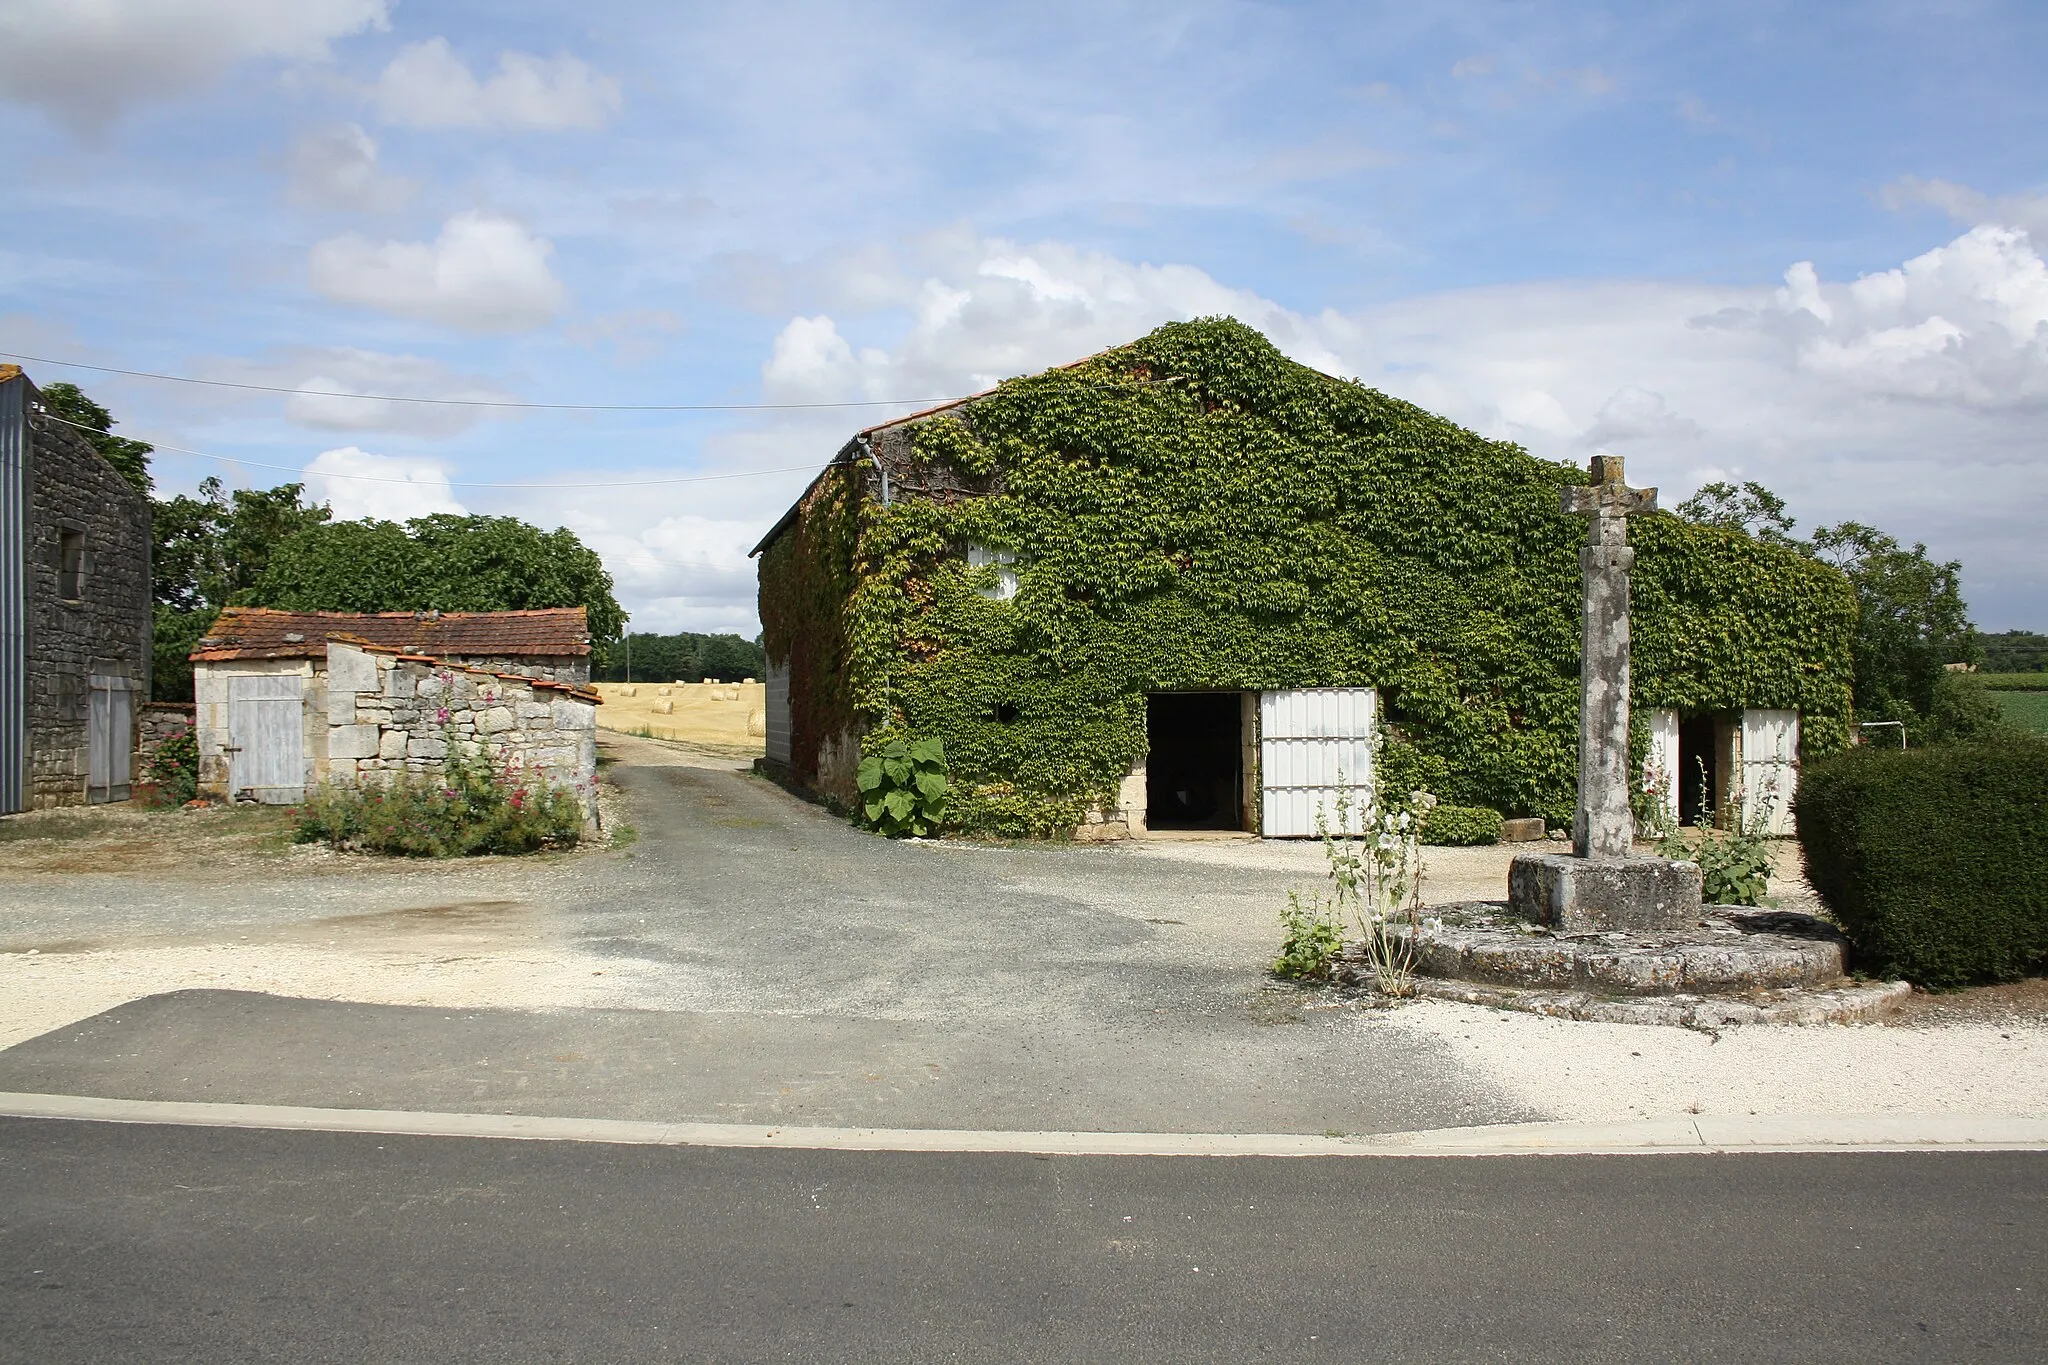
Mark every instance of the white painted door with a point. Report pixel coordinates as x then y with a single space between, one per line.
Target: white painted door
1770 769
1311 741
266 735
109 739
1660 765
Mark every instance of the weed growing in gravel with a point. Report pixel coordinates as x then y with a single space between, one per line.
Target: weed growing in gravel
1376 878
470 808
1735 864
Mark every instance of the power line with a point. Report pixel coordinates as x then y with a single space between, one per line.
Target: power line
452 483
480 402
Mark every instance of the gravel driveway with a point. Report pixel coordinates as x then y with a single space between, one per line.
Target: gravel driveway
752 958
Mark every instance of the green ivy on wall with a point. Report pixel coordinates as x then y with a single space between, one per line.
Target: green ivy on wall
1196 511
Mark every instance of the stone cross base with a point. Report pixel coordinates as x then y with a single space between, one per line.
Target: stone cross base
1574 895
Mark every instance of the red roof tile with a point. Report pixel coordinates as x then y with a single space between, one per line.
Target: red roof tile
263 633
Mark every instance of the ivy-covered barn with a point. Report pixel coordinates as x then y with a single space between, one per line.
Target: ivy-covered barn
1181 583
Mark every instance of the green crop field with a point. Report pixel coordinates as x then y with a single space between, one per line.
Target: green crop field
2011 682
2028 710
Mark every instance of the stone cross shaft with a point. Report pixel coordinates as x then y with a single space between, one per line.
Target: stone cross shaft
1604 826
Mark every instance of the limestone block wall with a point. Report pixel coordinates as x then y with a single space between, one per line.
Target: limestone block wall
571 669
102 630
388 714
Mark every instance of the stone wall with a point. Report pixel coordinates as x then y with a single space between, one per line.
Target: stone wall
389 714
104 631
571 669
156 722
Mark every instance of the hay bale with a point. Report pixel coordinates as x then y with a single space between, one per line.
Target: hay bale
757 722
629 691
664 708
661 692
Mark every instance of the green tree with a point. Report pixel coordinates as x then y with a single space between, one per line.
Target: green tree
438 563
1911 621
1751 508
209 552
129 458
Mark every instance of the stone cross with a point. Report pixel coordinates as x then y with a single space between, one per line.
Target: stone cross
1604 826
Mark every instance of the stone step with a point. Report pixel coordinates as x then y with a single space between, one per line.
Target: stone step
1730 950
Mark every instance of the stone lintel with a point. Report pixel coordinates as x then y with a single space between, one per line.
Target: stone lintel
1592 895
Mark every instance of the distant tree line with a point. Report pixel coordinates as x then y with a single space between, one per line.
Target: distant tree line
681 657
2015 651
271 548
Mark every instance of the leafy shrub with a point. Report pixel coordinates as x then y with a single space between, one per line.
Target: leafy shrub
1313 935
1461 825
903 787
174 768
1735 864
1934 861
470 808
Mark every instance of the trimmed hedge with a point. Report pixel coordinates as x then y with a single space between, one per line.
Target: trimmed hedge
1461 825
1934 861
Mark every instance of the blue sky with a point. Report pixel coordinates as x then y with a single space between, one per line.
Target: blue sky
1789 242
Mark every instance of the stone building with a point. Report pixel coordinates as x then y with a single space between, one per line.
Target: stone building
1191 584
74 610
287 700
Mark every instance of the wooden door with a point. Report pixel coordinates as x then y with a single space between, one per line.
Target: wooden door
109 739
266 738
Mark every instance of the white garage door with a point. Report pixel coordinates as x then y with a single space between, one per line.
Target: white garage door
1311 741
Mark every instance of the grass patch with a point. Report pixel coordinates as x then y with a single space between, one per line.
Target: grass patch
2011 682
2028 710
39 826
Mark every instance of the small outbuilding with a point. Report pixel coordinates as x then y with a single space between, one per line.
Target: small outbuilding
1189 583
287 700
74 610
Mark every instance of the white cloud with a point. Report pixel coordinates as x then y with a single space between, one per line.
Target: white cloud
987 308
335 167
428 86
357 484
482 274
1964 323
317 372
86 61
1635 414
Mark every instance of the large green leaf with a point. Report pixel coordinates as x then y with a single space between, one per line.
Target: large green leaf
899 804
932 785
928 751
869 776
897 771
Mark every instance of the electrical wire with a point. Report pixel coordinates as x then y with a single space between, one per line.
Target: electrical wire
481 402
452 483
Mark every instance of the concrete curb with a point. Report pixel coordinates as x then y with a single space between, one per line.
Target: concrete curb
1667 1136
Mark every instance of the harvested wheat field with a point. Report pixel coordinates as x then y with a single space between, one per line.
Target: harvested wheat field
726 716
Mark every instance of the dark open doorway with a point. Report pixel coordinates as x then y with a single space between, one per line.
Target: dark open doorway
1194 777
1699 756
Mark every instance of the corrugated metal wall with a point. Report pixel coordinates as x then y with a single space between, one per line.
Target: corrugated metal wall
13 596
1310 742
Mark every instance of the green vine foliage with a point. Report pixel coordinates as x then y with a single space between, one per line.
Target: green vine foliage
903 787
1196 511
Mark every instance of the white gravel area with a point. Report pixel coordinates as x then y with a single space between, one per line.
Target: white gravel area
1596 1072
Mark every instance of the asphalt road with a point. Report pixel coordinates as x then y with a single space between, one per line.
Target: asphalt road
140 1243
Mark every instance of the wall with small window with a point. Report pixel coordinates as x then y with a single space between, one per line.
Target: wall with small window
86 536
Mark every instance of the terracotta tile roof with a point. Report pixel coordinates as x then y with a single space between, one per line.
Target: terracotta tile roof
263 633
